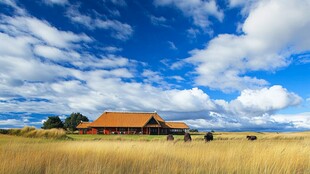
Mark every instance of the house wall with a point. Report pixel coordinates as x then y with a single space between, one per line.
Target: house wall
145 131
85 131
122 130
89 131
177 131
93 131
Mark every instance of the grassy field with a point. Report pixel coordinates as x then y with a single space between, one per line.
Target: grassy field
229 153
197 136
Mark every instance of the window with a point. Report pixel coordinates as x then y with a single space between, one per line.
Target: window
122 129
176 130
100 131
133 129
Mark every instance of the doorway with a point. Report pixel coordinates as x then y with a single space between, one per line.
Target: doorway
153 131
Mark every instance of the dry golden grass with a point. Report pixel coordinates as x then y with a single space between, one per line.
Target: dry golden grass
278 155
31 132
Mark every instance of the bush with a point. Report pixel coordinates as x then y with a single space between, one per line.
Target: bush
26 129
193 130
4 131
14 131
73 120
31 132
53 122
56 133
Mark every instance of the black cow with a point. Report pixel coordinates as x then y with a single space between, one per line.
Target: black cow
208 137
170 137
187 137
252 137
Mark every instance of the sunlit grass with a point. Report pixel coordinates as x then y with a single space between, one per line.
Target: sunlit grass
197 136
31 132
267 155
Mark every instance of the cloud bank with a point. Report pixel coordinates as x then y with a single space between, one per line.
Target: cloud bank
51 70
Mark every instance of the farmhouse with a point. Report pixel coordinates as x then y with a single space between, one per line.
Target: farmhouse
131 123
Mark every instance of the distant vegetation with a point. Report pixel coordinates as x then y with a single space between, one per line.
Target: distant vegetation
73 120
193 130
70 122
53 122
31 132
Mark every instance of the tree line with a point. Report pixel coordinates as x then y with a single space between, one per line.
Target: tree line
69 123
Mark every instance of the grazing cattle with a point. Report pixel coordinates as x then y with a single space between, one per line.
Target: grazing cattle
187 137
170 137
252 137
208 137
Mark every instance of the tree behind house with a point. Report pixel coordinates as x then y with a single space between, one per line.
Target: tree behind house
193 130
53 122
73 120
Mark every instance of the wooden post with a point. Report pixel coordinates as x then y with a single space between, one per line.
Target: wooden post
128 130
158 131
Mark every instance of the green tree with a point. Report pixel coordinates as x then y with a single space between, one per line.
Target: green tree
193 130
53 122
73 120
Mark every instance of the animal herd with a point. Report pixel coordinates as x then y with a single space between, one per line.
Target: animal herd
207 137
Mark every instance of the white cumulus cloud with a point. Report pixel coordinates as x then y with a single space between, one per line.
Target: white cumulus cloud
267 42
56 2
198 10
44 31
119 30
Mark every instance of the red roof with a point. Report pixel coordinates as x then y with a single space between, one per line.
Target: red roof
83 125
125 119
131 119
177 125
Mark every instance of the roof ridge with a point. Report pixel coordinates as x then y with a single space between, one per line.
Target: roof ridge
134 112
174 122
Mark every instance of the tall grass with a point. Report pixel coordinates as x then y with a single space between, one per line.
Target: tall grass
31 132
229 156
223 136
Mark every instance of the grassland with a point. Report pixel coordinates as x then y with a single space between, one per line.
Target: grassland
197 136
229 153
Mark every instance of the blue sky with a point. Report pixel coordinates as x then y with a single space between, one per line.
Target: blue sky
230 65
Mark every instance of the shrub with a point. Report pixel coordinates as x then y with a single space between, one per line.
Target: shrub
73 120
26 129
56 133
193 130
4 131
14 131
53 122
31 132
